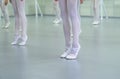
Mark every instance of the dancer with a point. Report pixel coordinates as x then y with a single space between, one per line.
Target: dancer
20 22
3 5
70 13
96 9
57 12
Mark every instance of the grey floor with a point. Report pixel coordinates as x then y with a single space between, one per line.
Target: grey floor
99 57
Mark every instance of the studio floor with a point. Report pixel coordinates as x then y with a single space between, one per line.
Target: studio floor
99 57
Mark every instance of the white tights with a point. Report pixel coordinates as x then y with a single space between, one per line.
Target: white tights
20 18
4 11
71 20
96 4
57 9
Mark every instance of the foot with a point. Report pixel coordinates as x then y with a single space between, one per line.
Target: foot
57 21
6 25
66 52
73 53
23 41
16 40
96 22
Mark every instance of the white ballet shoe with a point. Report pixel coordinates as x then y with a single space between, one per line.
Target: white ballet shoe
6 25
16 40
23 41
57 21
66 52
96 22
73 53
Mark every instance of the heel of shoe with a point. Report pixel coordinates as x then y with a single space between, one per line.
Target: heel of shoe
73 53
23 41
16 40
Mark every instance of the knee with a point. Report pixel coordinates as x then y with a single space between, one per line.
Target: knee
73 15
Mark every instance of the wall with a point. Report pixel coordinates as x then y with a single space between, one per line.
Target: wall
112 7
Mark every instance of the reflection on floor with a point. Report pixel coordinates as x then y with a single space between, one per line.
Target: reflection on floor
39 59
